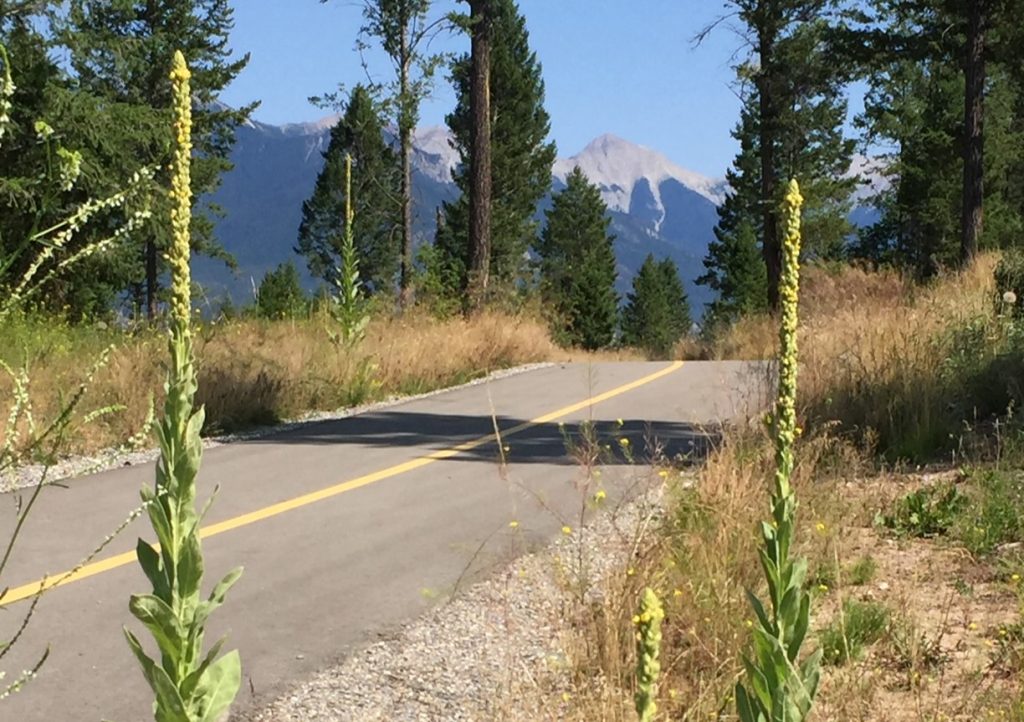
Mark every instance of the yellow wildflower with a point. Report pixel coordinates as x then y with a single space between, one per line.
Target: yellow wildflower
567 530
513 525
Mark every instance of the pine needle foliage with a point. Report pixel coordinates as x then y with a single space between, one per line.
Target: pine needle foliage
189 686
779 686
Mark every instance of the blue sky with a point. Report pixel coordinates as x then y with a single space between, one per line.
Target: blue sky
626 67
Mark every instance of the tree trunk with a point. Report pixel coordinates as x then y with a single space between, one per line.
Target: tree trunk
151 279
972 220
480 154
405 131
770 245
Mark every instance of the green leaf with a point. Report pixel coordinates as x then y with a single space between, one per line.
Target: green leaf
218 687
762 615
168 706
150 562
800 628
159 619
205 609
189 684
190 568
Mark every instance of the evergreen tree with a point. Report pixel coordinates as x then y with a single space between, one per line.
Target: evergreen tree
521 155
577 265
280 293
375 188
794 90
404 31
735 269
657 312
956 150
121 51
61 149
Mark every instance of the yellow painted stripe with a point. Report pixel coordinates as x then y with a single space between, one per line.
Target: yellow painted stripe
104 565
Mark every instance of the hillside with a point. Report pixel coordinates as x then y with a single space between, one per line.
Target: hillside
656 206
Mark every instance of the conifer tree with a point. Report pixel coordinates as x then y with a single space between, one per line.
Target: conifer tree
577 265
375 189
521 155
794 92
404 31
657 312
120 51
280 293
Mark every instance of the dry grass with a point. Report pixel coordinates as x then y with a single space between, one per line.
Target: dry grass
899 367
257 372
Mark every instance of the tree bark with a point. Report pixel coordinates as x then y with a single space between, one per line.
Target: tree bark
972 220
405 131
151 279
480 154
770 242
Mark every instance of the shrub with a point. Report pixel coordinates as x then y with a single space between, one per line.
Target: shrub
1009 278
860 625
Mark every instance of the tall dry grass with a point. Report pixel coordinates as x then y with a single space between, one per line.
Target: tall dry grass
255 372
904 370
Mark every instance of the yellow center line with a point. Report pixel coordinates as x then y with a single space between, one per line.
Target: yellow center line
105 565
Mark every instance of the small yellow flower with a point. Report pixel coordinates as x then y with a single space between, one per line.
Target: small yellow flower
1015 577
620 422
663 474
798 431
566 696
600 495
822 588
820 526
505 448
623 442
677 592
630 572
567 530
972 626
749 623
636 619
513 525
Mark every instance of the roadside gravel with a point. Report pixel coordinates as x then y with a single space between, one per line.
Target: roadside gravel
71 467
498 650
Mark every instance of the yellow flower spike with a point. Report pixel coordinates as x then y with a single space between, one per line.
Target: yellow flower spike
567 530
181 192
648 650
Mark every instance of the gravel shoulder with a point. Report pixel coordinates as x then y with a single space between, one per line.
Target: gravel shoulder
500 649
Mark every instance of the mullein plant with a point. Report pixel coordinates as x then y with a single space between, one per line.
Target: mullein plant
780 687
348 307
648 649
189 686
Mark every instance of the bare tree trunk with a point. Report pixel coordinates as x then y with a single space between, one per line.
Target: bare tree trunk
972 220
768 121
480 155
151 279
405 131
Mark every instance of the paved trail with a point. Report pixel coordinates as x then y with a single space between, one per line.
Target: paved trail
346 529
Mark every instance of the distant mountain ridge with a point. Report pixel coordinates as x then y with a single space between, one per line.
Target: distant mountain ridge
656 206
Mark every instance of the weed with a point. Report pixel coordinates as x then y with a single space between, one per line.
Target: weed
859 625
927 512
862 571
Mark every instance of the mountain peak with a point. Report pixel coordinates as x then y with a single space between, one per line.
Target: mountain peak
617 165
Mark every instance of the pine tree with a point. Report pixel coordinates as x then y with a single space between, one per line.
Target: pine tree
521 158
77 129
657 312
735 269
280 293
121 51
375 188
795 91
957 142
404 31
577 265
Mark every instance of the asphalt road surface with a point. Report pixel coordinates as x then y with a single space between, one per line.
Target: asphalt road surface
346 529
